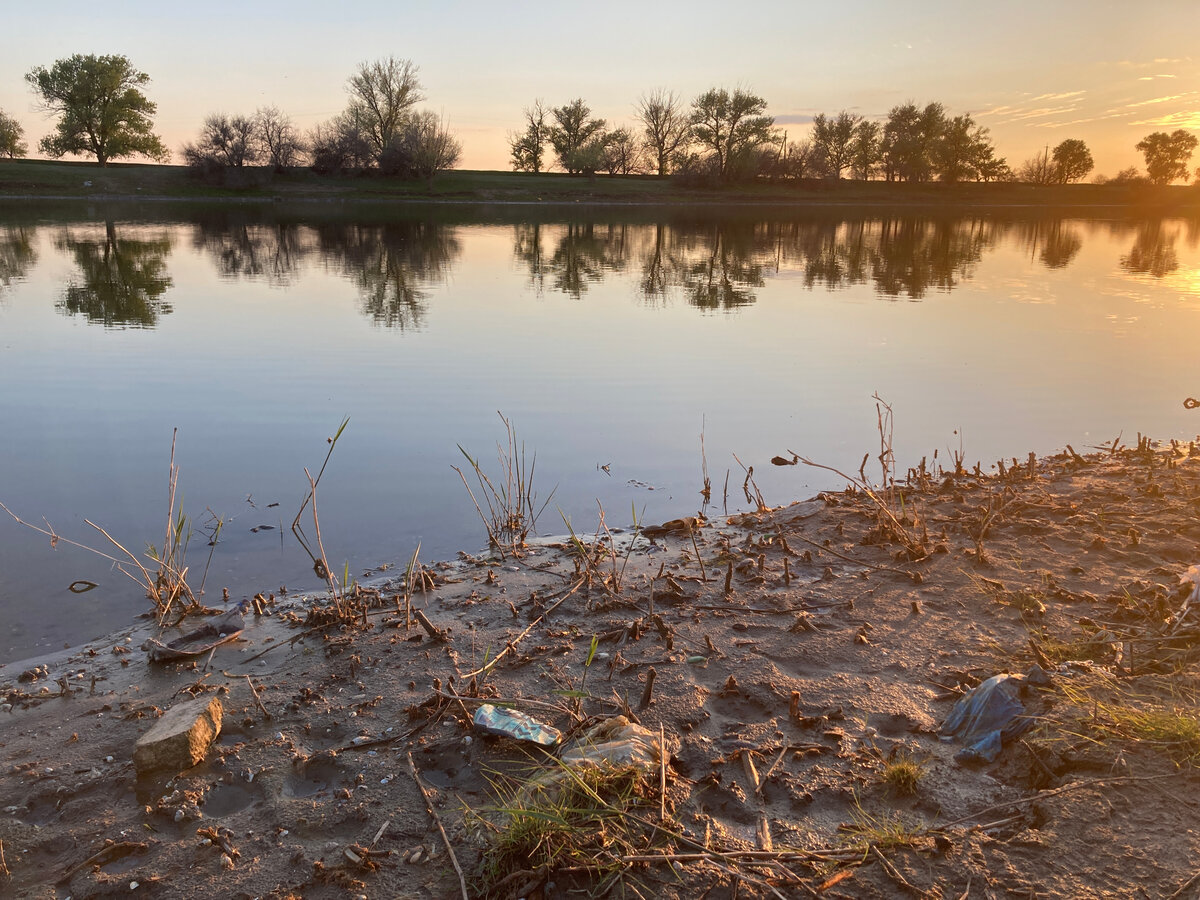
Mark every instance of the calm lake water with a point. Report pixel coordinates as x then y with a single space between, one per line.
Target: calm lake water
611 338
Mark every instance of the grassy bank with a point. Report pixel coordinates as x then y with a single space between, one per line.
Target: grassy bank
40 179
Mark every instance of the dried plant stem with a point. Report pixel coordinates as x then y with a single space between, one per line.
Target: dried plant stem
511 645
462 881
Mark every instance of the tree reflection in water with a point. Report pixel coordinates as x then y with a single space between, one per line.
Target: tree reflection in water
271 251
17 254
392 265
583 254
1153 251
121 280
718 265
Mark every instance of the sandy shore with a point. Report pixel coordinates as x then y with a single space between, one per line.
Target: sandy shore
803 666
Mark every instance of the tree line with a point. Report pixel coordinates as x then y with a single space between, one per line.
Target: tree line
102 111
720 136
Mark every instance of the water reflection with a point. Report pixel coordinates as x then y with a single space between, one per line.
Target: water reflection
122 280
1153 252
17 254
272 252
1052 242
710 262
393 265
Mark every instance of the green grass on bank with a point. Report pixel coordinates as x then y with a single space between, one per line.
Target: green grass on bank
42 179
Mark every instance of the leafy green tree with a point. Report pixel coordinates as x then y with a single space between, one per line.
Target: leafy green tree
382 95
577 139
11 133
529 146
963 150
730 126
665 127
1167 155
834 139
101 109
909 135
1072 161
864 149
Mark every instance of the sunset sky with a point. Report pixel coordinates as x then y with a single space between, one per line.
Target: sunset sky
1035 73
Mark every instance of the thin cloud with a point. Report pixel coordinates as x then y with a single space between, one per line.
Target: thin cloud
1153 77
1040 113
1159 100
1066 95
1188 119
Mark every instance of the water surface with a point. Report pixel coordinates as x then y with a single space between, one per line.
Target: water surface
610 338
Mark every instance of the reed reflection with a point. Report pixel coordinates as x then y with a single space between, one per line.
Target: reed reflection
121 280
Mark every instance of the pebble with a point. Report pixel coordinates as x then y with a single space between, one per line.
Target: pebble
133 885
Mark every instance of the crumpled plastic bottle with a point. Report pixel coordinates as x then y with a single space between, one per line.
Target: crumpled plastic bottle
515 724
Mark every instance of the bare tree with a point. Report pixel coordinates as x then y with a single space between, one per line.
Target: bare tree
281 142
424 147
666 126
529 146
382 93
1038 169
224 142
340 143
623 153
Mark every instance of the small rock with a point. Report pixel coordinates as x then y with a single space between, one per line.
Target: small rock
181 738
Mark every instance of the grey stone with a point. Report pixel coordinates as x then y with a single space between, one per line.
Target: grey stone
181 738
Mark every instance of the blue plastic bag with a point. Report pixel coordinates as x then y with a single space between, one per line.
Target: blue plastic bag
991 714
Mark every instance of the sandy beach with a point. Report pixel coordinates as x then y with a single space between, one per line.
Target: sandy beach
791 669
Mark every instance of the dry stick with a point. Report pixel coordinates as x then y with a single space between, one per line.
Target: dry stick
1182 890
321 545
507 701
767 774
434 632
257 699
895 875
462 881
880 502
648 690
851 559
1092 782
379 833
511 645
695 546
662 773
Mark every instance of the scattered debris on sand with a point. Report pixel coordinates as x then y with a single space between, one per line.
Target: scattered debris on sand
759 700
